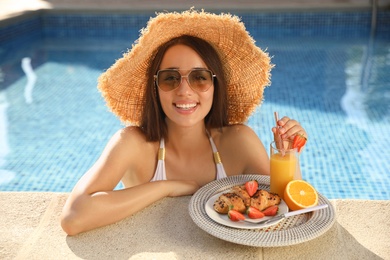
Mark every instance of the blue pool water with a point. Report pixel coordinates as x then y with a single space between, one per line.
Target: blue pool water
329 75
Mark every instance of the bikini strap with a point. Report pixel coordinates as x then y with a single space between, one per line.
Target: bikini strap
161 151
217 158
160 173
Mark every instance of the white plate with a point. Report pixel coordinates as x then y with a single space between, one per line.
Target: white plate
224 219
290 231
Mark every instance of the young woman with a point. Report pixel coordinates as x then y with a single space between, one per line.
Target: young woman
187 88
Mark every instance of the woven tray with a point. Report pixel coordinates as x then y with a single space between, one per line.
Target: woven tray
290 231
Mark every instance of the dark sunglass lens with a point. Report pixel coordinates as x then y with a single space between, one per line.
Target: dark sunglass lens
168 79
201 79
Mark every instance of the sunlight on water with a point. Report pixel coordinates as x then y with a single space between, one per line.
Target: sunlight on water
31 79
5 176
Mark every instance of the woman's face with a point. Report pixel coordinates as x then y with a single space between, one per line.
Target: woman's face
184 106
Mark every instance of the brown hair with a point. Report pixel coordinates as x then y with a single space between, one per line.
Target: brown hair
153 117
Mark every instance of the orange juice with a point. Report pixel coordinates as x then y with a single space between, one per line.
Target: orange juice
283 168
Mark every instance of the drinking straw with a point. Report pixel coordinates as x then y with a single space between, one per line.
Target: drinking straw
277 138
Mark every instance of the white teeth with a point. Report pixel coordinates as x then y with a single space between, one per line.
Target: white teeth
185 106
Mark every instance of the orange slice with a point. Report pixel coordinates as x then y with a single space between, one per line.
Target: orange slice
300 194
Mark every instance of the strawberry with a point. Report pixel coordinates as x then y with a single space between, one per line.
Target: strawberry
253 212
234 215
299 142
271 211
251 187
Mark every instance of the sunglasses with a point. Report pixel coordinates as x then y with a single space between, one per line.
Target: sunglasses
198 79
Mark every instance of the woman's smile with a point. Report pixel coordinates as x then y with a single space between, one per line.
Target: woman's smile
186 106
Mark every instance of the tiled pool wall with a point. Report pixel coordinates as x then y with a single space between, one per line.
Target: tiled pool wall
311 24
27 31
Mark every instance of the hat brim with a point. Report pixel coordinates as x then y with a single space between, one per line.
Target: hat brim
246 66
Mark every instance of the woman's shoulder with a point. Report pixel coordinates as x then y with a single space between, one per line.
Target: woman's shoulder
132 137
131 144
129 151
133 132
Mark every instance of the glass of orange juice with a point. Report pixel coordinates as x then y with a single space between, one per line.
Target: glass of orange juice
284 167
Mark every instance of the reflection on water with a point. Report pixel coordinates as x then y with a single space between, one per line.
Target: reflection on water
353 101
363 98
31 79
367 96
5 176
4 147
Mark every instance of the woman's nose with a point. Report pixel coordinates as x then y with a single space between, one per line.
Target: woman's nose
184 86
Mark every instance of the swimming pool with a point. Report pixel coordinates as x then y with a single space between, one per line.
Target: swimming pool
328 74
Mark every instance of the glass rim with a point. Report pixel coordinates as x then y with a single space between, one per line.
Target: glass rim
273 146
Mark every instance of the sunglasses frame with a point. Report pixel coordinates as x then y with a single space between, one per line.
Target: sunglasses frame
185 76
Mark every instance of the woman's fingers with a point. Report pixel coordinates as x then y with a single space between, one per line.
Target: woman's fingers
289 128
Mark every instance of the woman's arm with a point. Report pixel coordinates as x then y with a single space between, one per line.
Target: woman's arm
94 202
83 212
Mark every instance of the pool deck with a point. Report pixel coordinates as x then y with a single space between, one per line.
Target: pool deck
30 229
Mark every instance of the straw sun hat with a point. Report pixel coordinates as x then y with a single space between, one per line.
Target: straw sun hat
246 66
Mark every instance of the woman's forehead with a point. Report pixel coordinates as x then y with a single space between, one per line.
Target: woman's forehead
181 57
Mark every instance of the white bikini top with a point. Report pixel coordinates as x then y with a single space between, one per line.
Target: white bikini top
160 173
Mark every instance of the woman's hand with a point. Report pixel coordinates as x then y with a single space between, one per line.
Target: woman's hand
289 128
